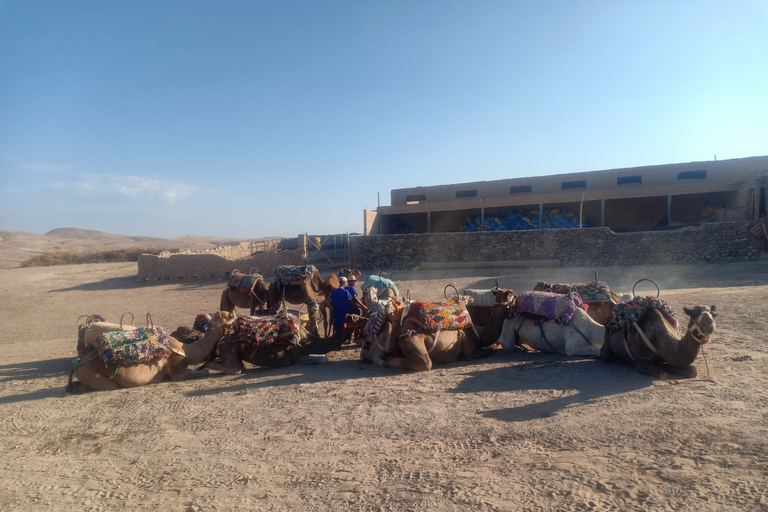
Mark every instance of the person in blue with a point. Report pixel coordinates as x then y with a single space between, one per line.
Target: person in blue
343 300
353 306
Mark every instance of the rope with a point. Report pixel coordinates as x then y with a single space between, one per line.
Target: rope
708 378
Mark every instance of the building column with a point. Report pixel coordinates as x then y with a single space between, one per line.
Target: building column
541 215
669 209
482 219
429 222
602 213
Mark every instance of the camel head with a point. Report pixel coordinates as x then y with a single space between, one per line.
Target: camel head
313 307
504 296
349 272
224 318
702 322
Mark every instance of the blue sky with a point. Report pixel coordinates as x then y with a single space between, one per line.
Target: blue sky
274 118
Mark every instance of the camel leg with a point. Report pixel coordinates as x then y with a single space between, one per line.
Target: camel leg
481 352
650 368
93 374
230 362
177 366
687 372
606 353
326 307
226 303
415 355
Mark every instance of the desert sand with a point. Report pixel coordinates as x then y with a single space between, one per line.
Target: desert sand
516 431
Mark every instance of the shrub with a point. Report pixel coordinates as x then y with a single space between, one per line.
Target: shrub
72 257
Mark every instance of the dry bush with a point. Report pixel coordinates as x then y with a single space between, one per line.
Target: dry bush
73 257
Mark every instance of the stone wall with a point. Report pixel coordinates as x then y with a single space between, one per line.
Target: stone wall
707 243
216 263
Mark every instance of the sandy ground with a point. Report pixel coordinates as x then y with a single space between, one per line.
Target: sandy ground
515 431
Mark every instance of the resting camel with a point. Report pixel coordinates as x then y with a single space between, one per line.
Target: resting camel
581 337
93 373
281 342
664 351
552 322
421 342
245 291
378 340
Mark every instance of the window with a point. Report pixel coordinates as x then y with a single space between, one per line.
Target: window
520 189
692 175
574 184
466 193
626 180
415 198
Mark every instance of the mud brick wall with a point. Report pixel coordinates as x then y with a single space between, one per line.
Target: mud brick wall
707 243
190 265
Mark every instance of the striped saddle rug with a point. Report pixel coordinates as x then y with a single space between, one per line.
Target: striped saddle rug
553 306
254 331
446 316
142 345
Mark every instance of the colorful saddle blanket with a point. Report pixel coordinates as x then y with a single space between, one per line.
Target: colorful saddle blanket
254 331
243 283
555 306
626 314
448 316
596 291
133 346
294 274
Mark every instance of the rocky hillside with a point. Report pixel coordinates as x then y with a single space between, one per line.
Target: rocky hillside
18 246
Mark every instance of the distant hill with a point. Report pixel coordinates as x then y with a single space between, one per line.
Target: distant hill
19 246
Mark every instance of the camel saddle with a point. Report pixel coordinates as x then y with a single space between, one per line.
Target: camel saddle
451 315
626 314
294 274
142 345
595 291
243 283
254 331
546 305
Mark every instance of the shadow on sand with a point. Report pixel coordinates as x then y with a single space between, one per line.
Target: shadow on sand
590 378
46 369
129 283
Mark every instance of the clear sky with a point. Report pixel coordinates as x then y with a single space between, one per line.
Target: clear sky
273 118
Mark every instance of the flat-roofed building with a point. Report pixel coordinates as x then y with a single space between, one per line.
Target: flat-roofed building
632 199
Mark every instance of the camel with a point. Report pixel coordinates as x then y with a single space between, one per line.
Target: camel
596 295
656 347
246 291
95 374
378 338
582 336
299 285
421 341
285 346
313 326
480 303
